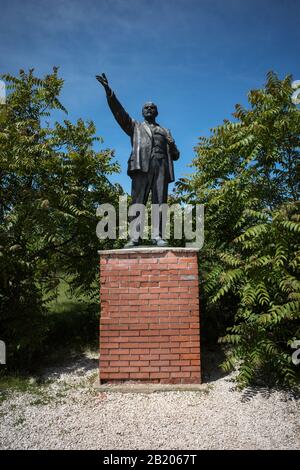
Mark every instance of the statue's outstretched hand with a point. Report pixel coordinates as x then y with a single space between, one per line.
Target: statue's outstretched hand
103 80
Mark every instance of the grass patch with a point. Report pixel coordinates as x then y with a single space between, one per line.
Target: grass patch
17 383
72 320
72 323
23 384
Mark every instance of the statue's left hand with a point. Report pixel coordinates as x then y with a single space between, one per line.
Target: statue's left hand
170 139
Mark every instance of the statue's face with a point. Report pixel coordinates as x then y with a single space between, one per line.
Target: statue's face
150 110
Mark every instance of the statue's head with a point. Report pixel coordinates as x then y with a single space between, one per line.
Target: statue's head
149 110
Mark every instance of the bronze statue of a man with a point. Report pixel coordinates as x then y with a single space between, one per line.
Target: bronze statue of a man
150 164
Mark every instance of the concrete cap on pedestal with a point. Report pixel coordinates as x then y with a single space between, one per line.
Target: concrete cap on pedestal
149 249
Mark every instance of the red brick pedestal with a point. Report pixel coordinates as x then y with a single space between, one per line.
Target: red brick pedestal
149 327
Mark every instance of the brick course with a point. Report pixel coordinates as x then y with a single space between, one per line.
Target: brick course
149 325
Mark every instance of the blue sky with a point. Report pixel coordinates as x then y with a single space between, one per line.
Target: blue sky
194 58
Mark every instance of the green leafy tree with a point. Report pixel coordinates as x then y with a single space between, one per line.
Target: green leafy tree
247 175
51 180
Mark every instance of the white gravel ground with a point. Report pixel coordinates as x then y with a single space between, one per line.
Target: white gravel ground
71 414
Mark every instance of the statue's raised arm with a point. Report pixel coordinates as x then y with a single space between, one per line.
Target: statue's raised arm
121 116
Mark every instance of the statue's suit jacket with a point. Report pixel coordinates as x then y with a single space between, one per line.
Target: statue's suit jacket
141 140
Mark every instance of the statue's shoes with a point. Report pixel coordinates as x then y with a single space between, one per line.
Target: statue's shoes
160 242
131 244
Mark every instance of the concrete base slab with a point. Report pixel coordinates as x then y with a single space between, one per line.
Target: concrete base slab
137 387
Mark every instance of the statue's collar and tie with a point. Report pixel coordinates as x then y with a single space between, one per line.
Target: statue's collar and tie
150 128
